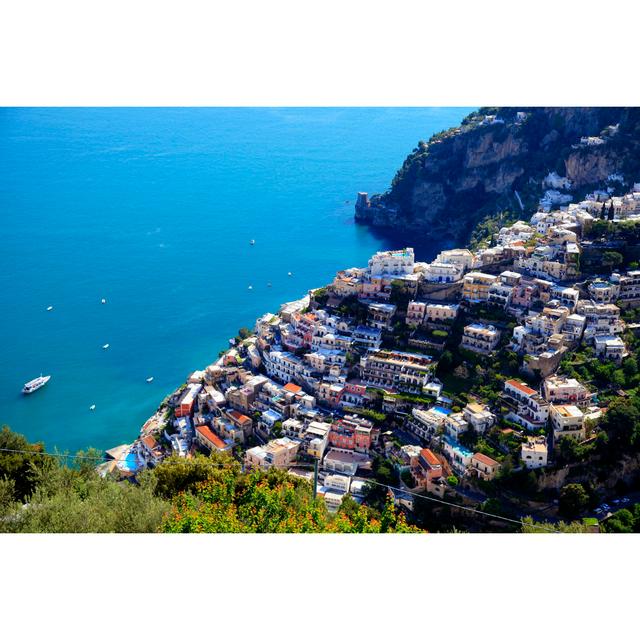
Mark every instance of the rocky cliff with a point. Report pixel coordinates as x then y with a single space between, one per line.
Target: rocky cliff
497 160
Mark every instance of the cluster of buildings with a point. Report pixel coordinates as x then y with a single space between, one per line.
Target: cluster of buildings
315 383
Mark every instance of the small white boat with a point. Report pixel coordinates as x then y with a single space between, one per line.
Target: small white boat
289 274
150 379
103 301
252 241
268 284
49 308
250 287
92 407
105 346
35 384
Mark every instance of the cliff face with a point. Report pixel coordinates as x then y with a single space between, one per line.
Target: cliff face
448 185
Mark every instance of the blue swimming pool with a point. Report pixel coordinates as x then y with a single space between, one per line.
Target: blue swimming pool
129 463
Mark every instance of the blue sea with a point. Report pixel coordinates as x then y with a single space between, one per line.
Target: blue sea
153 210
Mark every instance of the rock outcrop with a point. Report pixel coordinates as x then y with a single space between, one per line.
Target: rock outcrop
449 184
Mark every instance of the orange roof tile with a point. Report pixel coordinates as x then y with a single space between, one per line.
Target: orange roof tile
206 432
430 457
240 417
150 442
521 387
293 388
480 457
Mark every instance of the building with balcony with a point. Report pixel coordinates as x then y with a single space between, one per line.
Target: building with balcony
484 466
397 370
478 416
441 312
279 453
455 425
415 313
476 286
526 406
564 390
534 452
567 421
398 262
610 348
481 338
425 423
380 315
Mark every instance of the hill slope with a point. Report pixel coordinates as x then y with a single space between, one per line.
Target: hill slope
448 185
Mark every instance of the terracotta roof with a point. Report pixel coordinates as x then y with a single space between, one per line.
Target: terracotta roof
150 442
206 432
521 387
430 457
293 388
480 457
240 417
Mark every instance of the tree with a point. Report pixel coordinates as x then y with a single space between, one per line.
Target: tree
276 430
272 502
612 213
620 522
19 462
573 499
529 526
630 366
612 258
445 363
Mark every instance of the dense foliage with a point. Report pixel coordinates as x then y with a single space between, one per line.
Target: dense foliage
44 494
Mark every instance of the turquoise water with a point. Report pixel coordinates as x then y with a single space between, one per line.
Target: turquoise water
153 210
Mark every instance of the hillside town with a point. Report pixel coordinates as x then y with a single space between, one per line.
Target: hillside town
426 379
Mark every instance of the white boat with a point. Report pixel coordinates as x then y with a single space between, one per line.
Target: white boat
150 379
250 287
252 241
105 346
268 284
49 308
35 384
103 301
92 407
289 274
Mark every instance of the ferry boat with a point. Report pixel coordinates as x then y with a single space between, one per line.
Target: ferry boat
35 384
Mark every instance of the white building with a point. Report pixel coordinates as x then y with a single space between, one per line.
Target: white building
534 452
481 338
392 263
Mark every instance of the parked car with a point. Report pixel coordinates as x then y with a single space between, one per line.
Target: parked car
605 506
625 500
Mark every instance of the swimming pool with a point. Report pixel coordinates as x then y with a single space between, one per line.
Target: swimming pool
129 463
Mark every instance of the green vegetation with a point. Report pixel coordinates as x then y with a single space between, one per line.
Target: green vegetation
42 494
529 526
623 521
573 500
229 501
320 296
